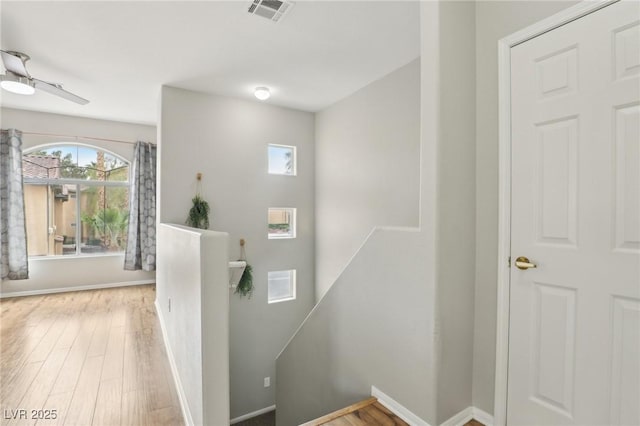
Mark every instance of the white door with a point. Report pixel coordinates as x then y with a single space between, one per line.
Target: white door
574 328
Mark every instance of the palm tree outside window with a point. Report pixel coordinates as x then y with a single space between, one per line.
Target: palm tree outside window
76 200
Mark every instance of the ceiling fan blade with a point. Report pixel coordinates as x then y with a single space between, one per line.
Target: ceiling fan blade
14 63
56 89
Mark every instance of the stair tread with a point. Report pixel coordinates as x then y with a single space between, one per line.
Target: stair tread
367 412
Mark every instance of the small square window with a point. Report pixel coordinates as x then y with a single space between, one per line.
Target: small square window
282 223
281 285
282 160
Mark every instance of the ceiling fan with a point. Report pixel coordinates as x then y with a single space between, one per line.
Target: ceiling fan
18 80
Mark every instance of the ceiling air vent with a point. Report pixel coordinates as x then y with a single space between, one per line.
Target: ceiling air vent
273 10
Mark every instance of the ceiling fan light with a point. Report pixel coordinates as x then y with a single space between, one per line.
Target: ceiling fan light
262 93
18 85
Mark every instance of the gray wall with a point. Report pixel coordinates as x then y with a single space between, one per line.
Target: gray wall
456 207
494 20
459 129
367 168
193 280
372 328
226 139
376 324
51 274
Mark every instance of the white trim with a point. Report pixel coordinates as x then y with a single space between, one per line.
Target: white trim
182 397
504 230
467 414
75 256
294 149
293 212
459 419
504 184
253 414
396 408
67 181
76 288
482 416
292 284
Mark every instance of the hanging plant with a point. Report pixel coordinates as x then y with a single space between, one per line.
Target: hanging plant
245 286
199 213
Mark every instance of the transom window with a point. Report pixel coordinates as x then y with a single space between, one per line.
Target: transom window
282 160
76 200
282 223
281 286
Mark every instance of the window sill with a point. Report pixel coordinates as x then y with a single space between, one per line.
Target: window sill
271 302
75 256
282 174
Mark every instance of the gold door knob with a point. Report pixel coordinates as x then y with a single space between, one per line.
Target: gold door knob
524 263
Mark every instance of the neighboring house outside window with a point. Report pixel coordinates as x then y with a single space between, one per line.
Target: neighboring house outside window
76 200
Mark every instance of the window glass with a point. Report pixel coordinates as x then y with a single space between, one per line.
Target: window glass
282 160
282 223
76 201
281 285
74 162
105 216
36 202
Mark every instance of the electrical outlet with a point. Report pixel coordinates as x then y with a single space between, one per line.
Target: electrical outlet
267 382
169 304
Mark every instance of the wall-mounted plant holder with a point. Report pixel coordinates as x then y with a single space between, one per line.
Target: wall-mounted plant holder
236 269
199 213
244 287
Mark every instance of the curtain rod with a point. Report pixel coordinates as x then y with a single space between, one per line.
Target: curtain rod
78 137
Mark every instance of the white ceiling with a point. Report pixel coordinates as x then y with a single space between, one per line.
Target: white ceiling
119 54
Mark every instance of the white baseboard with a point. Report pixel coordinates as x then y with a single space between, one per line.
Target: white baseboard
483 417
76 288
459 419
252 414
396 408
186 413
467 414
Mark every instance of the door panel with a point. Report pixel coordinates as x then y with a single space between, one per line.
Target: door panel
626 352
553 356
627 175
556 170
574 329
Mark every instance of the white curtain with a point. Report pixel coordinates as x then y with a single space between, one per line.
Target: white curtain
141 241
13 234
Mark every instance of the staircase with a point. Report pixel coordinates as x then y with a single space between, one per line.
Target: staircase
379 312
367 412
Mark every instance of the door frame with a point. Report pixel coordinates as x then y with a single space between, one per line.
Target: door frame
504 185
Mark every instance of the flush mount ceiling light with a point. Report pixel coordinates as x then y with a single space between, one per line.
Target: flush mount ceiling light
17 84
262 93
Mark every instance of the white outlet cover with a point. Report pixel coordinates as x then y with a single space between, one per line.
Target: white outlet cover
267 382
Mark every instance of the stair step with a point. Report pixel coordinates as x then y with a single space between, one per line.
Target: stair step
367 412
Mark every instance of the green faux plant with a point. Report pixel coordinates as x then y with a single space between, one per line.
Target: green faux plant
245 286
199 213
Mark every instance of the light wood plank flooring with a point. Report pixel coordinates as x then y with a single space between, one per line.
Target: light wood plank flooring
365 413
95 357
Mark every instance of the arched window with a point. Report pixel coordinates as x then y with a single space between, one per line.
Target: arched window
76 200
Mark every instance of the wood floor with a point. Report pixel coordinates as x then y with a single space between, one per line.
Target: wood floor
365 413
85 358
